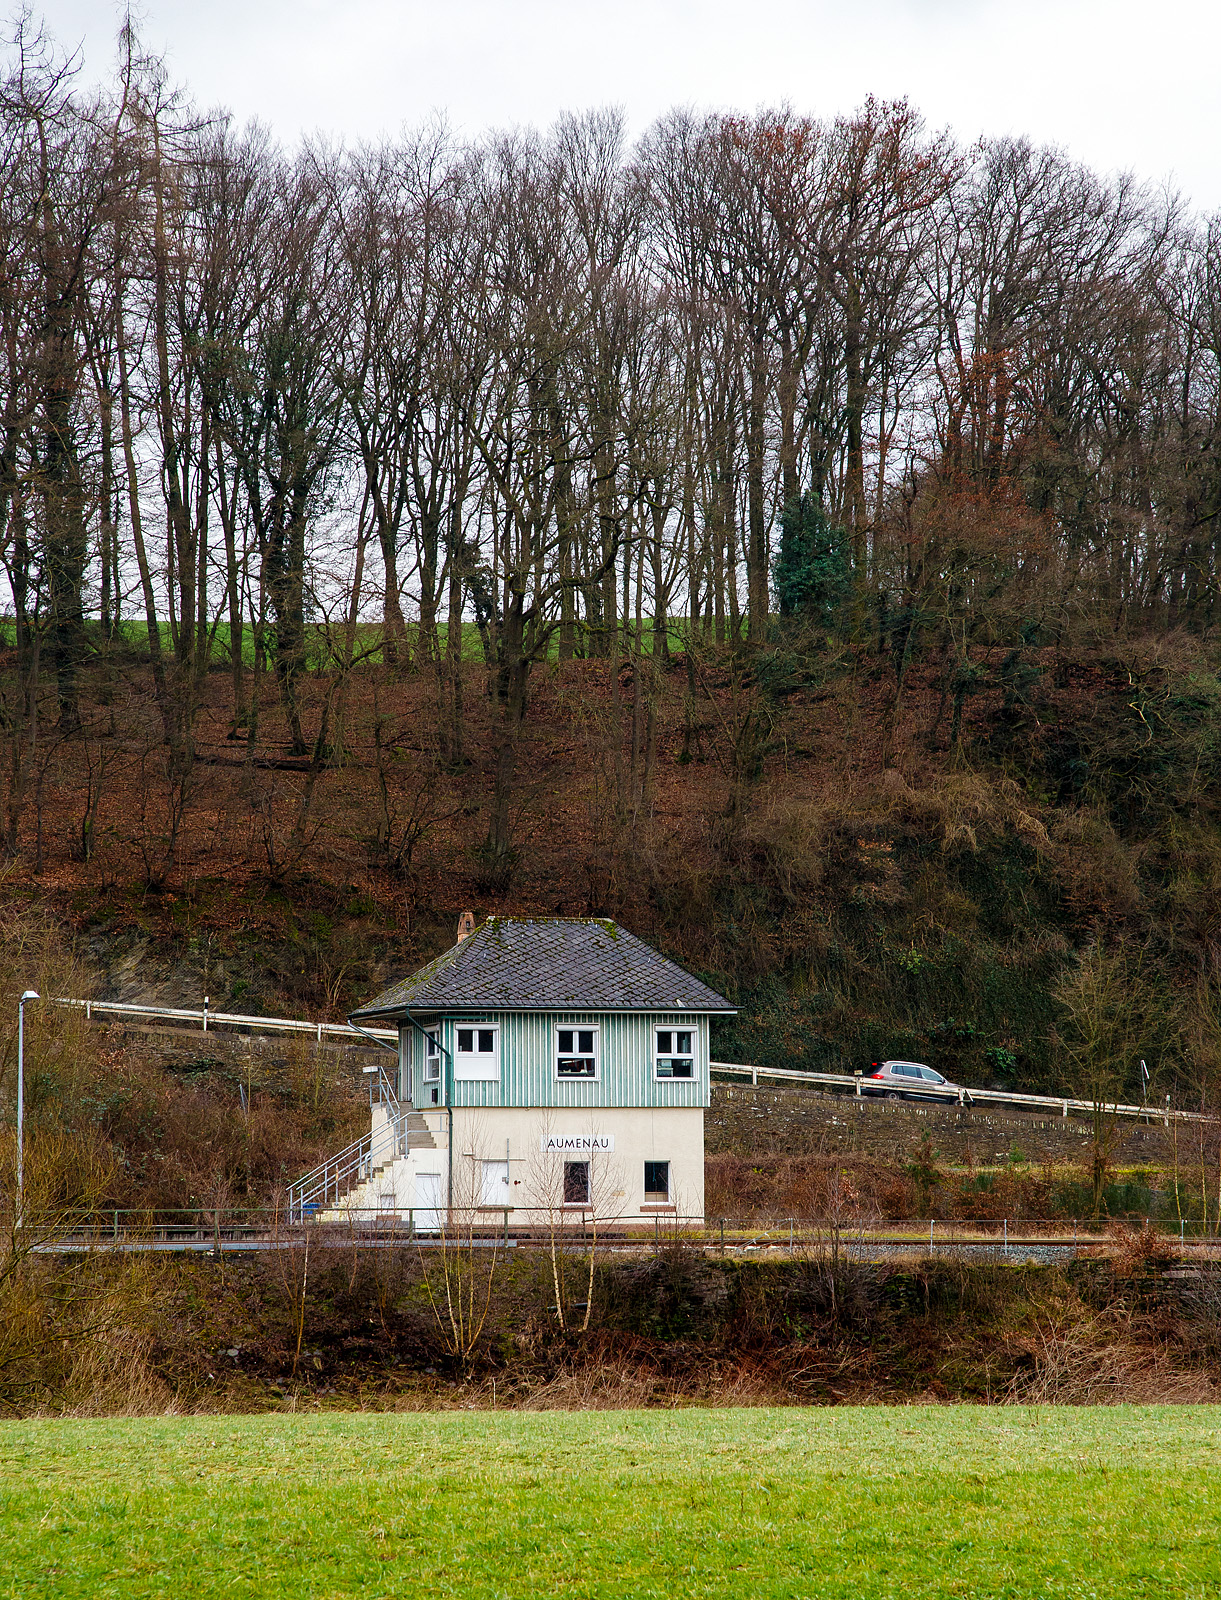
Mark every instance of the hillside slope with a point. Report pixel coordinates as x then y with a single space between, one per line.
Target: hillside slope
866 867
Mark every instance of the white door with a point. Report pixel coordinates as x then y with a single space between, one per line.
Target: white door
429 1202
495 1184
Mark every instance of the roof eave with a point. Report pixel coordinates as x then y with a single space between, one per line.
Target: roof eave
407 1007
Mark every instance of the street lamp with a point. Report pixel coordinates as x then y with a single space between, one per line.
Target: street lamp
30 994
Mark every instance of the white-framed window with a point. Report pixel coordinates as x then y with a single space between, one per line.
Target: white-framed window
675 1055
477 1058
576 1051
432 1057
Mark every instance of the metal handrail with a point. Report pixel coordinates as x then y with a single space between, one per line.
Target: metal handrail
356 1161
257 1229
1061 1103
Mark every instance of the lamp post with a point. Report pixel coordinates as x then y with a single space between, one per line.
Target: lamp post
30 994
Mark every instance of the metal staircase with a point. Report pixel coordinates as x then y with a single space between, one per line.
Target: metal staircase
390 1137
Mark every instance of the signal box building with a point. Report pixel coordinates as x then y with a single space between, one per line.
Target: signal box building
544 1064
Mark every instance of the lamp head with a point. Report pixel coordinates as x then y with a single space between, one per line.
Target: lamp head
31 994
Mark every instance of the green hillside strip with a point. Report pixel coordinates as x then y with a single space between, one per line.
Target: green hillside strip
980 1502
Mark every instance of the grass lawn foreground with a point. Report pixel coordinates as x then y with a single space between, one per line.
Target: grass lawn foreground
922 1501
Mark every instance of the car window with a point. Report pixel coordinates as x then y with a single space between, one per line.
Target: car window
933 1077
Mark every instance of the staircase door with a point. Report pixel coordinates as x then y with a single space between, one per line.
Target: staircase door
429 1202
495 1184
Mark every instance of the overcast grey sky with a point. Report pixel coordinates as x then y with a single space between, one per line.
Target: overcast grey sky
1116 83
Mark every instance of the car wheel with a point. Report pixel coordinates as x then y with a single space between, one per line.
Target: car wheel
891 1094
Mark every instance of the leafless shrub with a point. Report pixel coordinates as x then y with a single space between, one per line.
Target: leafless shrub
1099 1360
1135 1250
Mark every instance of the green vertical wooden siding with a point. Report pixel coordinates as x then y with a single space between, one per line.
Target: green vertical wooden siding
527 1060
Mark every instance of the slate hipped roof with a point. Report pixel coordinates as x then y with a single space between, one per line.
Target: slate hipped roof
548 964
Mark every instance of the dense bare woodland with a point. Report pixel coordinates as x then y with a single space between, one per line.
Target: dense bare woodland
799 537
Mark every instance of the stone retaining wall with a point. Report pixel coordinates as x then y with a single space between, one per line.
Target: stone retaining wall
746 1121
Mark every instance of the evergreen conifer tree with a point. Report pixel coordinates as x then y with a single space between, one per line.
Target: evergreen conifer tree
813 568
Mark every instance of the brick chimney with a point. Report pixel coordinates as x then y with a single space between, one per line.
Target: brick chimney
466 925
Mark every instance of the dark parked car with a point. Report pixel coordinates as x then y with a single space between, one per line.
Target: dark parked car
911 1080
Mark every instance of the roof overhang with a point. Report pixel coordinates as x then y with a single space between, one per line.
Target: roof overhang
542 1009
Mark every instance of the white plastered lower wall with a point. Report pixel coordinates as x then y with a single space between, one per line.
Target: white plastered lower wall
515 1136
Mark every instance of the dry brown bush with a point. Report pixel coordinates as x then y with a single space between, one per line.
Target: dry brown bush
1078 1359
1135 1250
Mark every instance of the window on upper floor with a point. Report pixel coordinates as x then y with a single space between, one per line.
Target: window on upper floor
477 1058
576 1052
675 1056
432 1057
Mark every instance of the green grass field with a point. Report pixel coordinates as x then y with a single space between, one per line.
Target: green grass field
135 635
929 1501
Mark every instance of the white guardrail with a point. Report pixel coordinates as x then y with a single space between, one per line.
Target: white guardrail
997 1097
832 1080
229 1019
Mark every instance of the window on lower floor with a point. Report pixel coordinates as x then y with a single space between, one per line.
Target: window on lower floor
576 1183
675 1056
576 1052
657 1180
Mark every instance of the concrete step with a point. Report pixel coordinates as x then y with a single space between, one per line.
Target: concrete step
419 1136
